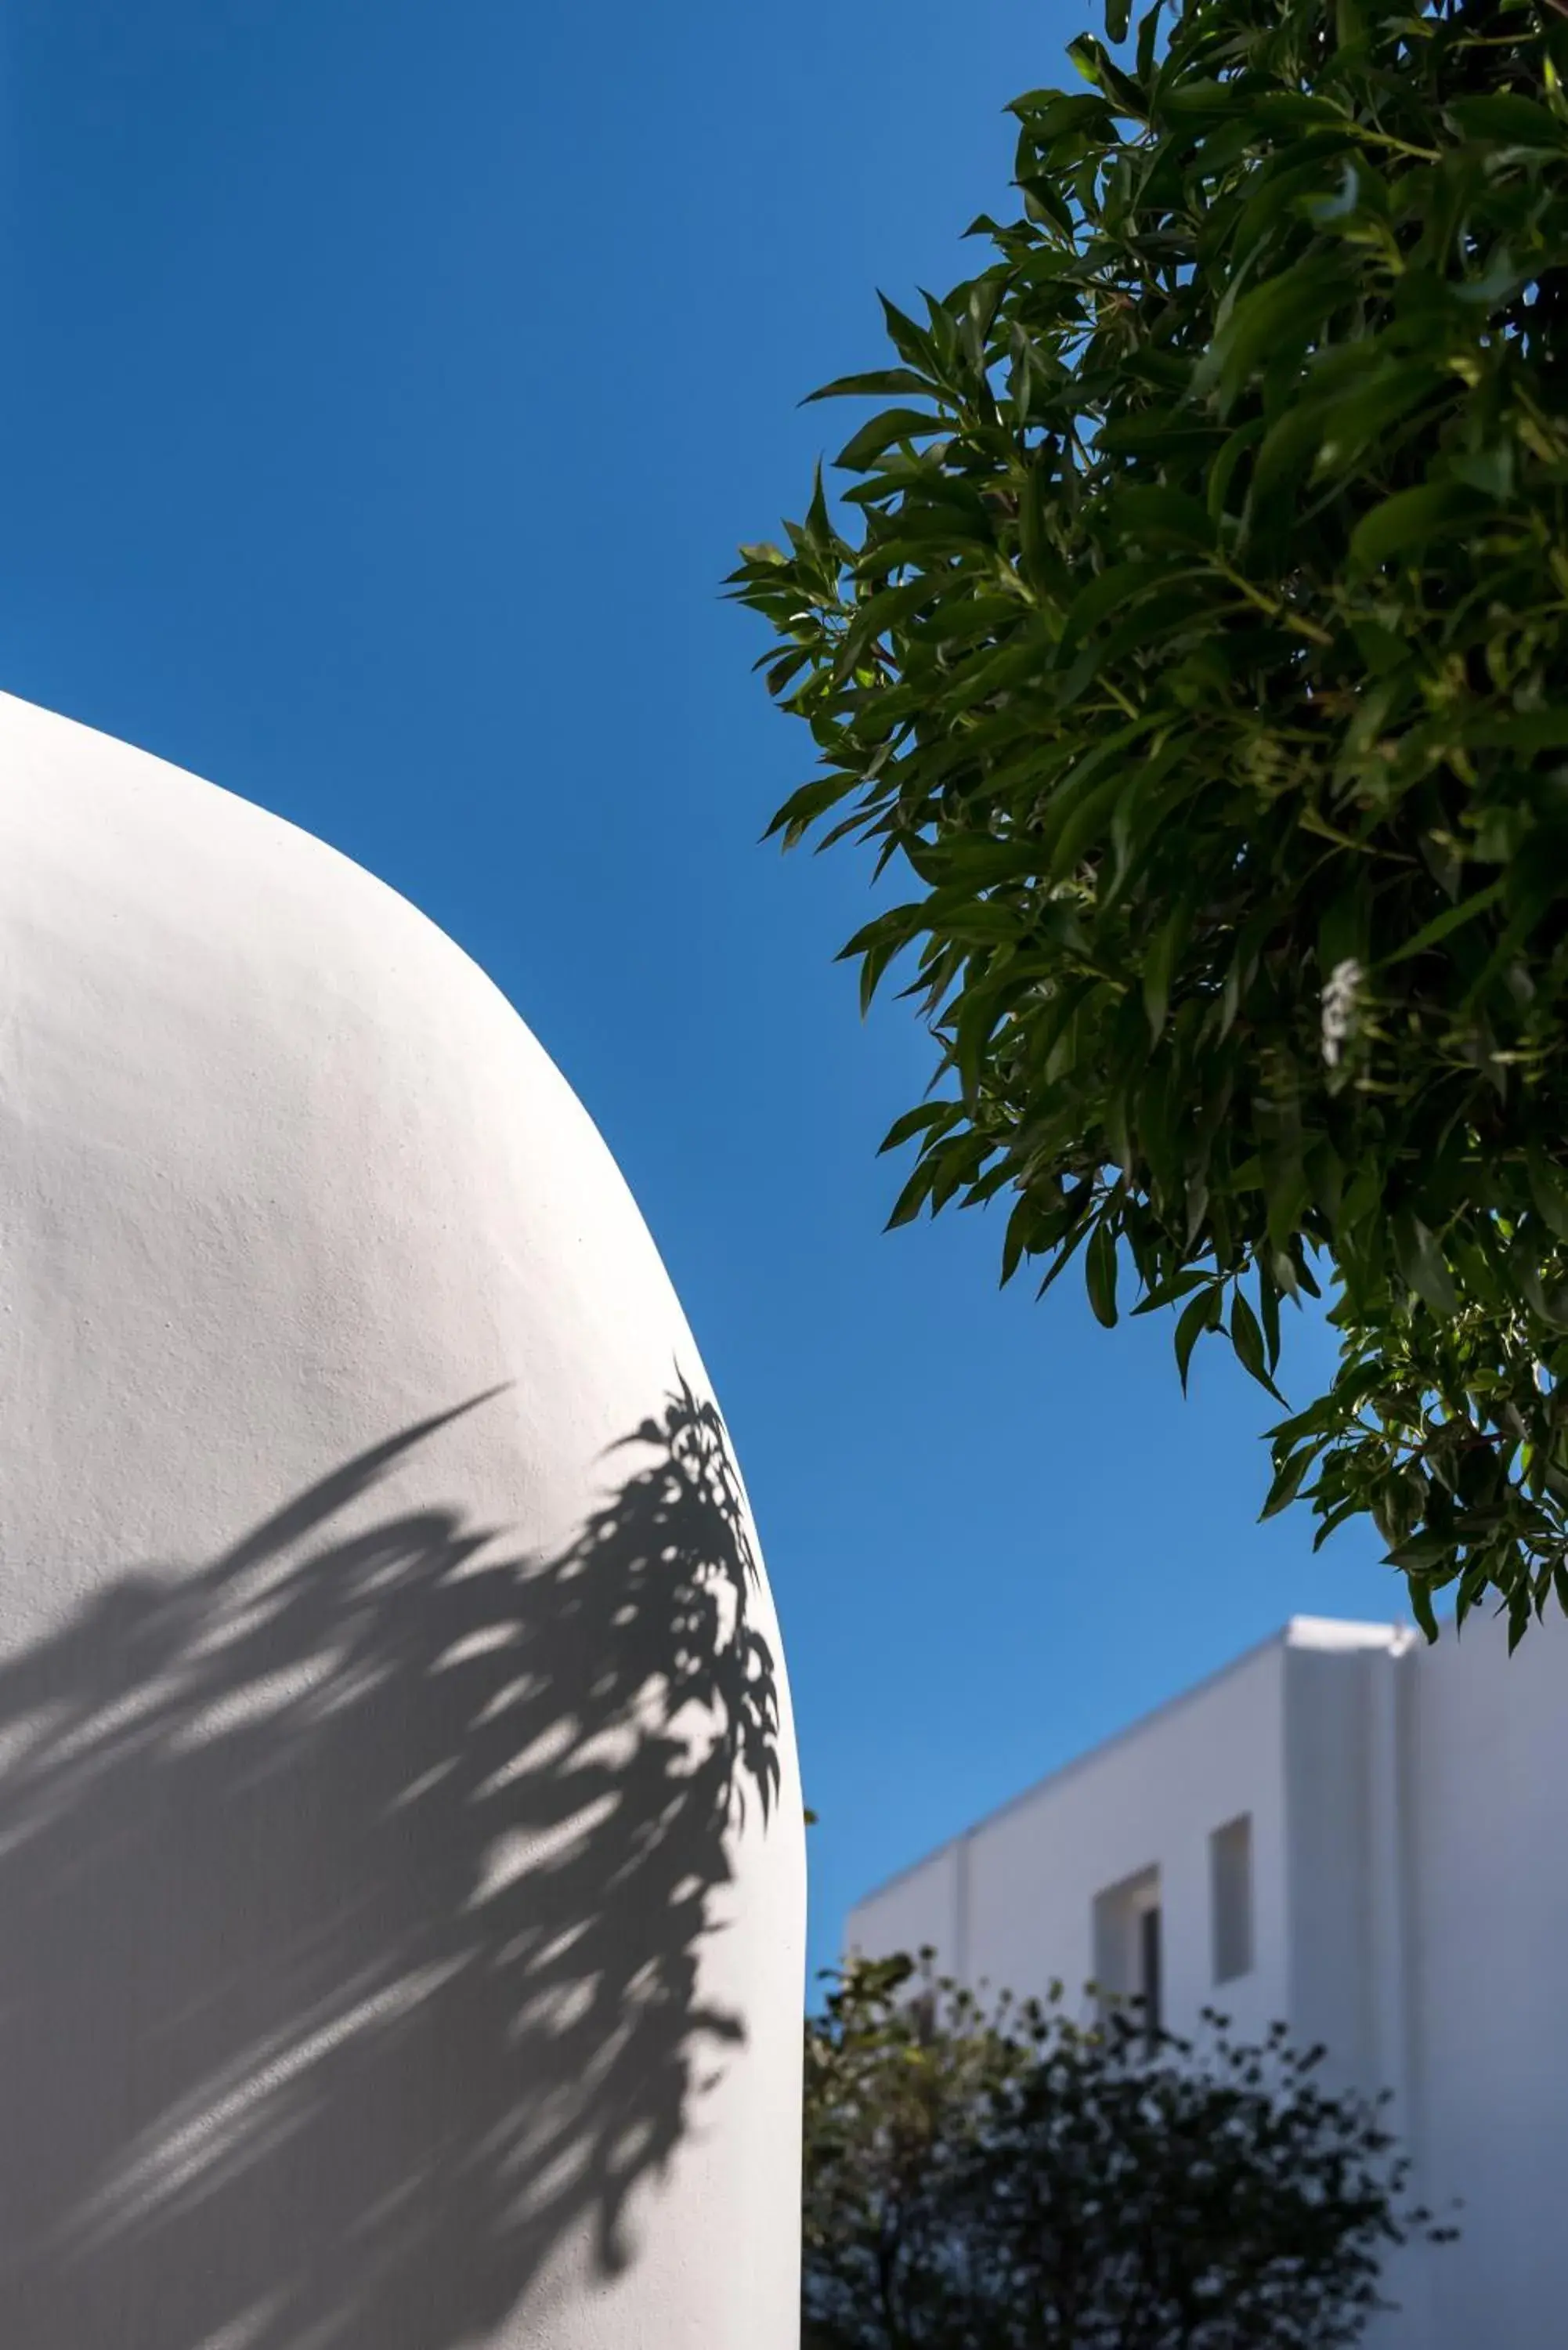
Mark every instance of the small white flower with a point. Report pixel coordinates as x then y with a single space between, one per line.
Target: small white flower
1341 1002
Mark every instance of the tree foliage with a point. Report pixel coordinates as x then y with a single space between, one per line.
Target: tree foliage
1013 2180
1194 636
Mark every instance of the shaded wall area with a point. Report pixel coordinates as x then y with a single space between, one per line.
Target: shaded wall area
353 1890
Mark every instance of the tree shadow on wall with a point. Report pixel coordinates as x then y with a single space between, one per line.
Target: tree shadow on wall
351 1892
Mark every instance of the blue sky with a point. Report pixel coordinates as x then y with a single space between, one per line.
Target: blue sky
388 383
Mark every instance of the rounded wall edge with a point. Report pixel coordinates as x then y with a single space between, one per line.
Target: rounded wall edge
397 1786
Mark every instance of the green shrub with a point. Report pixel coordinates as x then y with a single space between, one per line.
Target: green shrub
1012 2180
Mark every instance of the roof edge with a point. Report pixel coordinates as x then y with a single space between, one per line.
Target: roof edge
1325 1634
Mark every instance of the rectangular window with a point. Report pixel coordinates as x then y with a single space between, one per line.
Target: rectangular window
1231 1897
1128 1954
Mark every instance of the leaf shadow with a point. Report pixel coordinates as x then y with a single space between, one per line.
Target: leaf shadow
352 1893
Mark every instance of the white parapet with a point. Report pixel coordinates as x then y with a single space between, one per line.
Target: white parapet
402 1872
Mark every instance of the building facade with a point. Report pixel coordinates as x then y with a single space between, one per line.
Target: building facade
1358 1835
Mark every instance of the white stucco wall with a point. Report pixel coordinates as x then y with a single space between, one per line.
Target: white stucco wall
401 1875
1343 1850
1489 1780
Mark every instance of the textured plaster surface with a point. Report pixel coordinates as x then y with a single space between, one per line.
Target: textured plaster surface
402 1880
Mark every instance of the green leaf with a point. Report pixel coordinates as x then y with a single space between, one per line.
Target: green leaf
908 339
1053 114
1067 1249
893 424
1147 34
1518 1618
1513 121
1100 1272
1287 1481
801 810
1202 1314
875 385
1349 419
1096 67
919 1121
1412 519
1118 15
1153 516
1169 1293
1442 925
915 1193
1422 1264
1276 319
1335 1520
1421 1554
1549 1190
1246 1342
1157 969
1111 590
1421 1606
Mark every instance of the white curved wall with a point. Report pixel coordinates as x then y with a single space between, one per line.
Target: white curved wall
401 1875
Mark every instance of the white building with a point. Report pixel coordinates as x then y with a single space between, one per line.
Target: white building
1359 1835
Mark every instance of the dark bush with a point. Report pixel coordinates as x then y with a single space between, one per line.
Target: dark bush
1010 2179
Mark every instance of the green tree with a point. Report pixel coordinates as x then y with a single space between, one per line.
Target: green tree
1194 634
1011 2181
